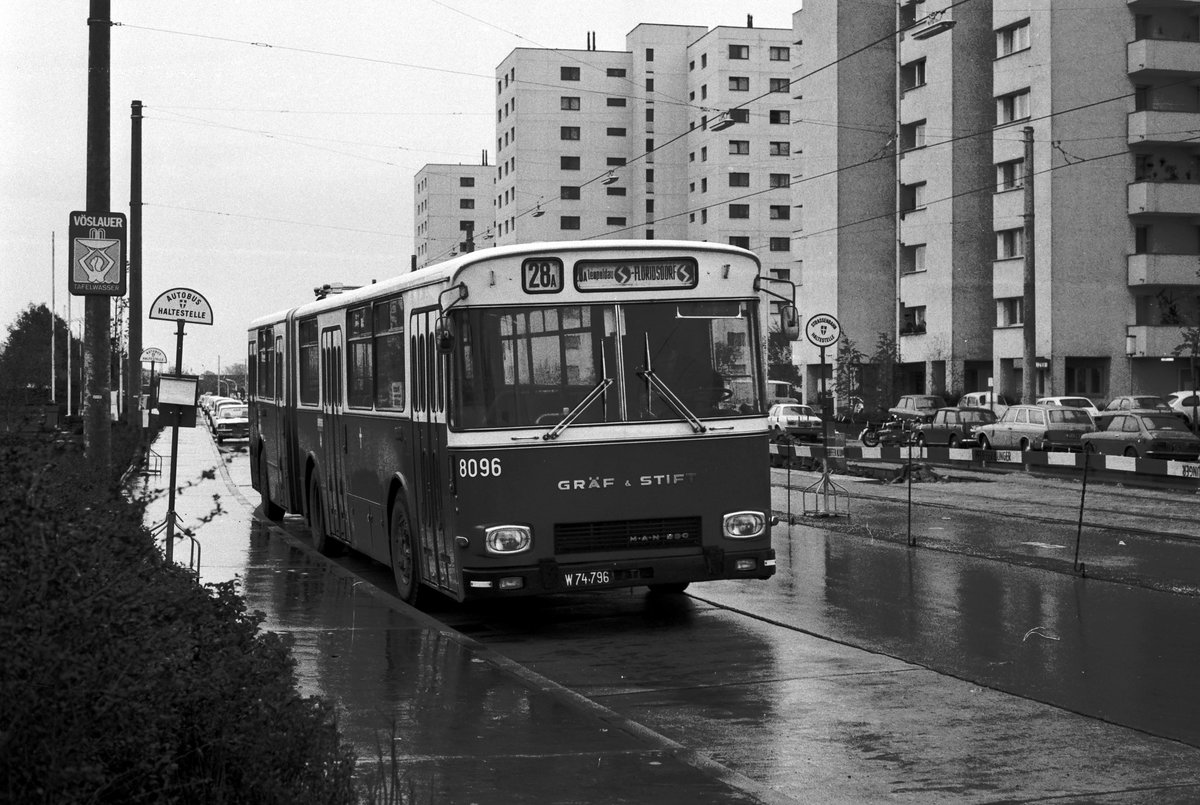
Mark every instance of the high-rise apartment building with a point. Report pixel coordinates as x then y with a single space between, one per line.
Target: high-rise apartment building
453 210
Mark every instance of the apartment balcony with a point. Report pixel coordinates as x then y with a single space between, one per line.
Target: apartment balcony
1163 57
1164 198
1163 269
1163 126
1156 341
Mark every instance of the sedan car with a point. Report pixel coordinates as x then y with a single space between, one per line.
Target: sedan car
1144 435
954 427
1186 404
1148 403
916 407
231 422
1036 427
795 420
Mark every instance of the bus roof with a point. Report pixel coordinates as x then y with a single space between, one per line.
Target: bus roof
445 272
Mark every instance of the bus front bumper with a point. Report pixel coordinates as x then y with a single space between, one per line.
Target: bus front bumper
549 576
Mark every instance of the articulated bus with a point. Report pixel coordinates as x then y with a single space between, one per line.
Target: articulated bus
529 419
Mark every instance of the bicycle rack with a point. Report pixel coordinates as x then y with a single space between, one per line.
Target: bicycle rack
194 552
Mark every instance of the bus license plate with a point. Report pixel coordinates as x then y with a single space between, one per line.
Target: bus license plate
588 578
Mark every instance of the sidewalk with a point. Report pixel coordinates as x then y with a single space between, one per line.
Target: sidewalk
452 720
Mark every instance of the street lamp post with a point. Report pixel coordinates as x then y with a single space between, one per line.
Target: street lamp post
1130 351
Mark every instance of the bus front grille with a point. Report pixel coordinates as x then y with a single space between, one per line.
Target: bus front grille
615 535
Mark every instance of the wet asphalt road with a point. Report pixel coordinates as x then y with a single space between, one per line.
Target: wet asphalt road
864 671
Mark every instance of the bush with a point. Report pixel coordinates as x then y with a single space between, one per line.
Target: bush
124 679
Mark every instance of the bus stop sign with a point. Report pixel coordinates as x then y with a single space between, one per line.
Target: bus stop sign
823 330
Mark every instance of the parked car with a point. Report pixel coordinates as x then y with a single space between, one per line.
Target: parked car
232 422
954 427
990 400
795 420
916 407
1144 435
214 409
1036 427
1082 403
1185 403
1131 402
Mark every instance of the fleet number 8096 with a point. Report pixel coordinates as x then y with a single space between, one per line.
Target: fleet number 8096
479 467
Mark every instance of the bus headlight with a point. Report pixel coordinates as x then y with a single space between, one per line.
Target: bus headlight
744 525
507 539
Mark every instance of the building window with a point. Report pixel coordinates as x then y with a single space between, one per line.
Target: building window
569 103
568 222
781 244
1010 175
780 84
912 135
614 220
912 258
616 72
1010 243
782 116
912 320
568 163
739 51
739 115
704 184
615 191
781 180
649 114
741 241
466 181
649 234
614 162
649 205
739 83
1011 107
912 75
615 101
912 196
649 175
704 153
568 73
614 131
703 60
1085 381
781 212
1010 312
739 180
739 146
568 132
780 148
649 54
780 54
569 192
739 210
649 85
1012 38
704 216
466 203
1141 240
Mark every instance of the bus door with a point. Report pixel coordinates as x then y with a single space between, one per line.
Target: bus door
280 437
333 436
428 370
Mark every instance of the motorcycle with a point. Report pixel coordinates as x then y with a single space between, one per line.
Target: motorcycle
892 432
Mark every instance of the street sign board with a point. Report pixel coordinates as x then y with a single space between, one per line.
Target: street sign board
153 355
182 304
97 253
823 330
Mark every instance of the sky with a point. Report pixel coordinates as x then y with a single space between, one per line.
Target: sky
279 137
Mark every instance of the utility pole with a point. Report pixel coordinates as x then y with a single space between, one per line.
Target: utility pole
133 384
97 315
53 327
1029 357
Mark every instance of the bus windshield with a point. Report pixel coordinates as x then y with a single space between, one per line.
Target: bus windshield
531 366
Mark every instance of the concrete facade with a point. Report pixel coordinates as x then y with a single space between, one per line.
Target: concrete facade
453 206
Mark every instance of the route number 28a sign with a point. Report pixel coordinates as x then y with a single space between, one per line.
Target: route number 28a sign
823 330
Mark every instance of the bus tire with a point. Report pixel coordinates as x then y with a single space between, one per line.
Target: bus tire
273 511
324 543
669 588
405 567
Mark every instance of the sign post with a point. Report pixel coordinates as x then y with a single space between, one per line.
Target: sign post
150 355
823 330
180 305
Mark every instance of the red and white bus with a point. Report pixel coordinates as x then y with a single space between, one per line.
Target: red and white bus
527 419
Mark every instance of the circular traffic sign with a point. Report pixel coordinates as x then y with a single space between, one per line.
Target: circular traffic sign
823 330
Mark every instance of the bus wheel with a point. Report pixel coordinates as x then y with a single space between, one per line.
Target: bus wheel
669 588
271 510
405 567
324 543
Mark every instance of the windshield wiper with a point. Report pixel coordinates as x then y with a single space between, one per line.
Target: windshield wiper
672 399
596 392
